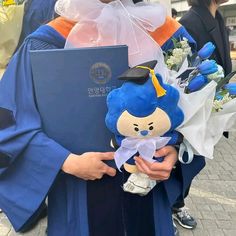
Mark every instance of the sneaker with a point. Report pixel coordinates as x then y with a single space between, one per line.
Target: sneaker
182 216
176 231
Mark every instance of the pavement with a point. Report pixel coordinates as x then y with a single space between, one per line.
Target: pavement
212 199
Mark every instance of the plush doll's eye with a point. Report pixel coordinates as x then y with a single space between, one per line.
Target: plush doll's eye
136 127
151 128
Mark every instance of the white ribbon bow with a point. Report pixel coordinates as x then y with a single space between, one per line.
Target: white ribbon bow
145 147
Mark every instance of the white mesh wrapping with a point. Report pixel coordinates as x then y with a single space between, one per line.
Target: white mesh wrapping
116 23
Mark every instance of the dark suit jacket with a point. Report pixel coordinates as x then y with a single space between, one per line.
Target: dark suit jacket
203 27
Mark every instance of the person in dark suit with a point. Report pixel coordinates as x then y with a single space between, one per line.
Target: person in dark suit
174 13
205 24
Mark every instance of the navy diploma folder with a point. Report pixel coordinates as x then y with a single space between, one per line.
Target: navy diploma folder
71 86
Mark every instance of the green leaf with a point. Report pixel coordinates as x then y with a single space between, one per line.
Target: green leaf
175 41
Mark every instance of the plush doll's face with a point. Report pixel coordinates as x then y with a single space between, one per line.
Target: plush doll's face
135 110
156 124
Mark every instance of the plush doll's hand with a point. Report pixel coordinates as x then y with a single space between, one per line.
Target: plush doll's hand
89 166
159 170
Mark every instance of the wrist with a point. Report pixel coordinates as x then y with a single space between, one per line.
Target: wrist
68 165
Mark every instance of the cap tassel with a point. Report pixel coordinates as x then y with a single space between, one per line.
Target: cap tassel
159 89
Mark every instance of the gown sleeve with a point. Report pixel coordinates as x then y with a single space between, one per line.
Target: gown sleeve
29 160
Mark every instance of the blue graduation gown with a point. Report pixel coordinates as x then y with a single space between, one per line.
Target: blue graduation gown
30 168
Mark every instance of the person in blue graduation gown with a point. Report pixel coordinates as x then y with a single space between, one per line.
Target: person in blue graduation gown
84 194
37 13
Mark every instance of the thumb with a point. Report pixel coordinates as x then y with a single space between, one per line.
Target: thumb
160 153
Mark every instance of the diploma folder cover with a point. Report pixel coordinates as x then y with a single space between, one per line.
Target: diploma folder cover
71 86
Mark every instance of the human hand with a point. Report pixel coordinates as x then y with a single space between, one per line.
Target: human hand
89 166
158 170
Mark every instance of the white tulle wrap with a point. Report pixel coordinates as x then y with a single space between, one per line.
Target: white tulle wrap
116 23
202 127
124 23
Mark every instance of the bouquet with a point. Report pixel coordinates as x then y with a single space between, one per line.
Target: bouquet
206 96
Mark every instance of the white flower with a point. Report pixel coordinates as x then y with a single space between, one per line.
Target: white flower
170 62
226 98
217 76
188 50
184 43
218 104
178 60
178 55
178 52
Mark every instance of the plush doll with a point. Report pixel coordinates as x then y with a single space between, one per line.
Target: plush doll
143 115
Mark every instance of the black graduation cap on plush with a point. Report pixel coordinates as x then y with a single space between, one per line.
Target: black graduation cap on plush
138 74
136 1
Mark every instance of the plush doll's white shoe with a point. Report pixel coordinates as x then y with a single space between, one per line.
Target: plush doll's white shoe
139 183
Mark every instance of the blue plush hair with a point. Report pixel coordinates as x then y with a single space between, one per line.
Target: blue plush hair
141 101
